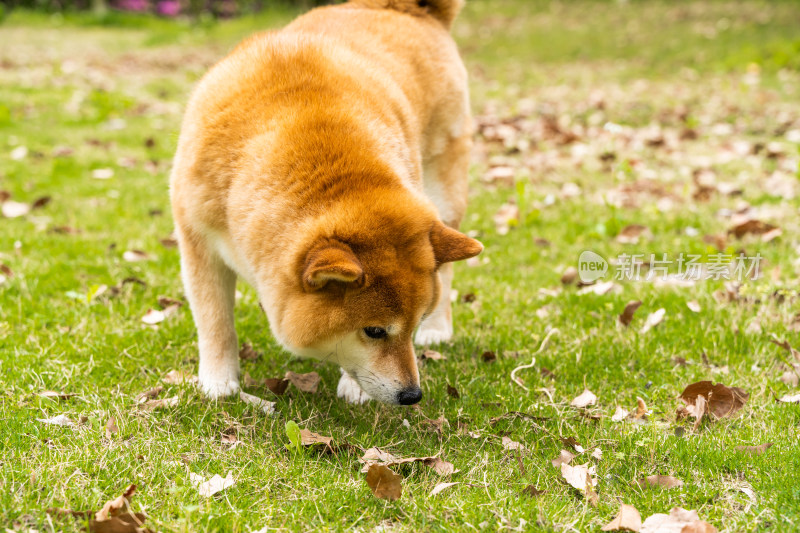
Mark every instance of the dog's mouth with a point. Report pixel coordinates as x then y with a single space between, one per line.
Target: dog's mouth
379 390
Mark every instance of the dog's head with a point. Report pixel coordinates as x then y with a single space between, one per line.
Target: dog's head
361 291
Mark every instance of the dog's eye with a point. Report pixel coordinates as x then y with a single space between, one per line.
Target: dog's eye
375 333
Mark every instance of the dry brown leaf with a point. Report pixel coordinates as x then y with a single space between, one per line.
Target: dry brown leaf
309 438
149 394
53 395
631 234
750 226
627 313
264 405
569 276
532 491
488 356
441 486
582 478
564 457
247 353
212 486
384 483
12 209
509 444
665 482
58 420
678 520
790 398
722 401
305 382
628 519
178 377
653 319
754 450
135 256
152 405
620 414
585 399
641 409
111 428
432 355
693 306
452 392
600 289
377 456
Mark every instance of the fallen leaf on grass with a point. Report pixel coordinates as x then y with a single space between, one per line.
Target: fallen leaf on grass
305 382
178 377
509 444
620 414
754 450
488 356
377 456
628 519
264 405
12 209
569 276
678 520
308 438
631 234
581 477
665 482
156 316
627 314
152 405
384 483
432 355
53 395
58 420
751 226
212 486
790 398
149 394
722 401
600 289
115 516
111 428
441 486
585 399
453 392
247 353
135 256
103 173
653 319
693 306
532 491
564 457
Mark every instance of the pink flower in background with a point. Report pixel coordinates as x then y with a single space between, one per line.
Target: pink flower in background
168 8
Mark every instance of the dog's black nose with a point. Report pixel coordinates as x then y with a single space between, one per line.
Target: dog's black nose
409 396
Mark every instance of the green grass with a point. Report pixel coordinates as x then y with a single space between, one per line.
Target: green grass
69 82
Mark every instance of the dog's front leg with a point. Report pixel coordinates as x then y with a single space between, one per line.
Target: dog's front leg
210 288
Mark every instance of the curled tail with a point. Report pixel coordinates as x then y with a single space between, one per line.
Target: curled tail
444 11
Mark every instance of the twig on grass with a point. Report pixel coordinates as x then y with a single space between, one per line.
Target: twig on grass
542 346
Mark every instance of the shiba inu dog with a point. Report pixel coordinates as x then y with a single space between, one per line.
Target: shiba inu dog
326 164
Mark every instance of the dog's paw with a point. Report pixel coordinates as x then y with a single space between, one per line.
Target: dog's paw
350 390
433 334
215 388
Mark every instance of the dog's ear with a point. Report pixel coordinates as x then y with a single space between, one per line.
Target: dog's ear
331 260
452 245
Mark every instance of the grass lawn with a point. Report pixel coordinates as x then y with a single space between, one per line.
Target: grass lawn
682 117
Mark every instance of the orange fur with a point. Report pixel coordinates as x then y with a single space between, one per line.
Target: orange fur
319 163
